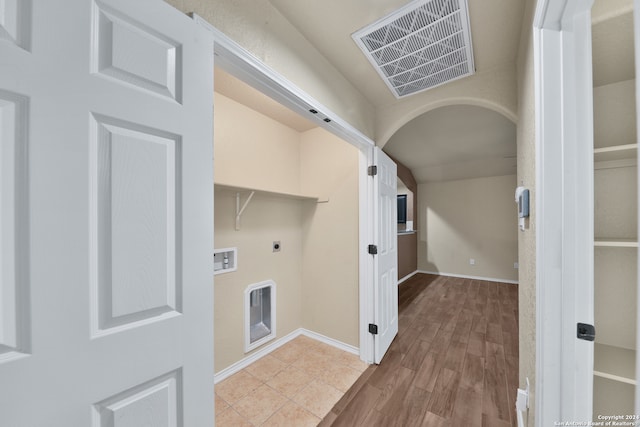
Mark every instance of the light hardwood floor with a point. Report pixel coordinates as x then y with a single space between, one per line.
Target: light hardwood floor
454 361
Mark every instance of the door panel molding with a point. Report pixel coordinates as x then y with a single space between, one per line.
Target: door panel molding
14 226
118 39
159 182
129 159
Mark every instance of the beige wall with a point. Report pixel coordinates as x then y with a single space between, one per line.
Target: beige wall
253 150
407 243
265 219
316 272
526 177
407 254
470 218
329 166
409 181
259 28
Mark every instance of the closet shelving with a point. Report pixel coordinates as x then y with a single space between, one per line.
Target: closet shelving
614 363
615 152
241 205
615 157
615 279
288 195
615 250
616 243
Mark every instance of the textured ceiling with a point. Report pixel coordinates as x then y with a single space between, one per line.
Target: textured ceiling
456 142
466 141
453 142
328 25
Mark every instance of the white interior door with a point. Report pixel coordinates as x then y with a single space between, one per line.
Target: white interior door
106 215
386 260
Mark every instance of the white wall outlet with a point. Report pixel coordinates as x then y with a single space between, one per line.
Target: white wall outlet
472 261
516 265
277 246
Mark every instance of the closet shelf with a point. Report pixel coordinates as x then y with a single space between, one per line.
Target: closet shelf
615 243
242 205
614 363
287 195
615 152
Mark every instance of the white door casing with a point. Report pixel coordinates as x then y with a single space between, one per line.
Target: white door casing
386 260
106 215
636 47
564 210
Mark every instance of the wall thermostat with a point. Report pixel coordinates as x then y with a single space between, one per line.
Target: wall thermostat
522 199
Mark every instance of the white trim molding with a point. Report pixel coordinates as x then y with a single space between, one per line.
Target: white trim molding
408 276
564 209
636 40
463 276
330 341
259 354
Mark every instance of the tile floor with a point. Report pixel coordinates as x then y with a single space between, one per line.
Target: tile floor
296 385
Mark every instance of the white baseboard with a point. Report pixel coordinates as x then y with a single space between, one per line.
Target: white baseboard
330 341
246 361
489 279
408 276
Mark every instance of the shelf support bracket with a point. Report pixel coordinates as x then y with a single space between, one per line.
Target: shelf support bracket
240 210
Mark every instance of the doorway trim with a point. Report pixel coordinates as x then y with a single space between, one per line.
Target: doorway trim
564 206
242 64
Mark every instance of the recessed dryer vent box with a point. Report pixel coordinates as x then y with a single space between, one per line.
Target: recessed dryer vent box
225 260
259 314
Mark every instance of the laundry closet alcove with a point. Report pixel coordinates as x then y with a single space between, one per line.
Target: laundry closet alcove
301 184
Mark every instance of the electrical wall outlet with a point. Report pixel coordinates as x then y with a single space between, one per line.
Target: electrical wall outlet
277 246
472 261
516 265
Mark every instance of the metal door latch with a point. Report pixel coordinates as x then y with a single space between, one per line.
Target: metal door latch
586 332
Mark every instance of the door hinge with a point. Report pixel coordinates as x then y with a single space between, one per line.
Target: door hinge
373 250
586 332
372 170
373 329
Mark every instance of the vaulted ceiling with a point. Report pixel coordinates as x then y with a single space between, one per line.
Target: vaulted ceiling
448 143
455 141
328 25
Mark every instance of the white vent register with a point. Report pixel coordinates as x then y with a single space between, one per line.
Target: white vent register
420 46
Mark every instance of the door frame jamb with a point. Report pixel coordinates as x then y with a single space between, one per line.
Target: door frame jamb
564 206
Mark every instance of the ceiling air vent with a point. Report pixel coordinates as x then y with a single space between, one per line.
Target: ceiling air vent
420 46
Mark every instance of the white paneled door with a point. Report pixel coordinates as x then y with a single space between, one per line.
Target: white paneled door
386 260
106 208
